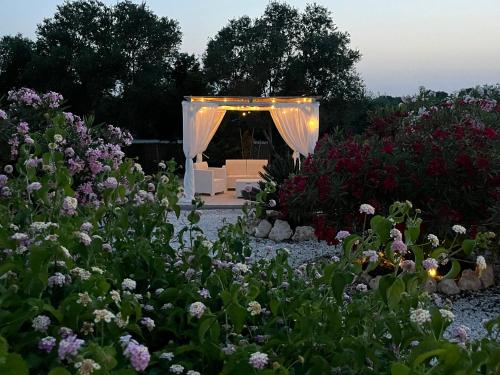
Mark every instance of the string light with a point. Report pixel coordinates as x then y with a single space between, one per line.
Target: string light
432 272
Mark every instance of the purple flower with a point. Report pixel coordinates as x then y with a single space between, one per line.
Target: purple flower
23 128
3 115
34 186
399 246
430 263
47 344
54 99
69 347
24 96
342 234
372 255
110 183
3 180
137 354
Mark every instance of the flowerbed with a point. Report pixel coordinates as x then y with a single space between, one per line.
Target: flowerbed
96 286
441 155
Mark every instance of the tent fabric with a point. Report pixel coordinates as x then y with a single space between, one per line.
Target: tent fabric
297 123
200 122
298 126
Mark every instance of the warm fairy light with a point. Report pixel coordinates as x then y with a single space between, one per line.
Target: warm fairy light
312 124
432 272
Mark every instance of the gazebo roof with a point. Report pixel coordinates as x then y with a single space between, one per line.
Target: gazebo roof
253 100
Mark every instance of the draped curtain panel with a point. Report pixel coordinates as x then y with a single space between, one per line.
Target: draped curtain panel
200 121
298 125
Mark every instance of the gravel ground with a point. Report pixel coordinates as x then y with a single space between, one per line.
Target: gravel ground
470 309
213 219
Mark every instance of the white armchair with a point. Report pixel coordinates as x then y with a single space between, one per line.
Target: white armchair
209 180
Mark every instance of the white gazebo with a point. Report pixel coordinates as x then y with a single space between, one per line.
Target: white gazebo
296 118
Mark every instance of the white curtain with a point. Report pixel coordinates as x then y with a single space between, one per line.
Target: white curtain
200 121
298 125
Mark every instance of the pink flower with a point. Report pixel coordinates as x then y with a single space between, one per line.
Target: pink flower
258 360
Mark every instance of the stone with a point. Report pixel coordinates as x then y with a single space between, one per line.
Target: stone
469 281
304 233
487 277
448 286
430 285
363 278
273 214
251 223
262 230
281 231
373 284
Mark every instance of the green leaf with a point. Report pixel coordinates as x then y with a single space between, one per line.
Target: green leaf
4 347
419 256
394 293
382 227
454 271
339 282
59 371
204 327
14 365
237 313
468 246
384 284
400 369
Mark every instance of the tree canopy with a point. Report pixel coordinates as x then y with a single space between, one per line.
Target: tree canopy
283 52
123 64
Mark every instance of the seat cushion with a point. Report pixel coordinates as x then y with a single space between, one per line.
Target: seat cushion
200 165
254 166
236 167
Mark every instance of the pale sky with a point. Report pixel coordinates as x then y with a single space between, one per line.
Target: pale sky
441 44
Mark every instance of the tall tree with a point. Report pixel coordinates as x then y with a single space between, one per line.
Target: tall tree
287 52
16 53
120 62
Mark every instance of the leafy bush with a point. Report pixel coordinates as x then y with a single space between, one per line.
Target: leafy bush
108 288
443 157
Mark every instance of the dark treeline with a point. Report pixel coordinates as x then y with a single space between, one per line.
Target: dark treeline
122 64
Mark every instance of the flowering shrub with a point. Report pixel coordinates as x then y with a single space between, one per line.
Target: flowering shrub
441 155
107 287
34 122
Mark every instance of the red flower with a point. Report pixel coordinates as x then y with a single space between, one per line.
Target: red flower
436 167
390 183
418 147
440 134
388 148
482 164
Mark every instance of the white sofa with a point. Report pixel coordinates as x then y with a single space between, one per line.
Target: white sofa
209 180
237 169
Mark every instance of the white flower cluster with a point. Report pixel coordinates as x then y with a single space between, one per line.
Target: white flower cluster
197 309
433 240
366 209
103 315
458 229
128 284
447 314
481 263
420 316
254 308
